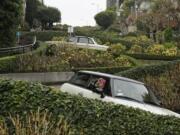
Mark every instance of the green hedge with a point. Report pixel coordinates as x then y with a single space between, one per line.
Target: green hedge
8 64
86 116
153 57
152 70
46 35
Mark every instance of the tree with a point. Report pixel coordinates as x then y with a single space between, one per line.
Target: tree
10 16
32 7
54 15
48 15
105 18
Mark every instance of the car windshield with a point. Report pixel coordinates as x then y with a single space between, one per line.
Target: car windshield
134 91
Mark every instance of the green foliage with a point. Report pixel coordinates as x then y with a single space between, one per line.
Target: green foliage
34 123
46 15
142 41
125 60
145 56
136 49
46 35
59 39
10 15
62 58
105 18
156 49
99 118
163 79
117 49
159 49
168 34
8 64
31 11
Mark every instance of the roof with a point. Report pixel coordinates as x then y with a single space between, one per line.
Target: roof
111 76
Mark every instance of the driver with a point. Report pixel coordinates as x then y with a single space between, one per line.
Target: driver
100 84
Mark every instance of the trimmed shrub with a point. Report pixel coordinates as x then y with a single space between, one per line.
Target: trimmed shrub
62 58
145 56
46 35
125 60
85 116
156 49
34 123
105 18
168 34
136 49
116 50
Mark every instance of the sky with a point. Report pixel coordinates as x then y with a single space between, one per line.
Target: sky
78 12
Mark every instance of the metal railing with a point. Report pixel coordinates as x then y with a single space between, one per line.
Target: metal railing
18 49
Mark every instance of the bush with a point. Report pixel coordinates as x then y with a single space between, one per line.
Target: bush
136 49
60 58
142 41
58 39
125 60
163 79
168 34
156 49
145 56
159 49
105 18
46 35
10 15
85 116
34 123
116 50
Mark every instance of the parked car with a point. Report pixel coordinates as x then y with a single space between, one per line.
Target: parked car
86 42
119 90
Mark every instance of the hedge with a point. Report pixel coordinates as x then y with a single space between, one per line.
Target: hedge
152 70
46 35
153 57
85 115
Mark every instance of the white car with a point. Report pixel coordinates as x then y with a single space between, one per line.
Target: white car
86 42
119 90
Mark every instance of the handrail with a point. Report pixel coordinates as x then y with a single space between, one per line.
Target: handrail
18 48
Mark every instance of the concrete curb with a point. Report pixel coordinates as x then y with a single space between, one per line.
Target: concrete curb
48 77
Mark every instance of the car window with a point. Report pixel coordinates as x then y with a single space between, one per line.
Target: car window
83 40
98 84
80 79
91 41
131 90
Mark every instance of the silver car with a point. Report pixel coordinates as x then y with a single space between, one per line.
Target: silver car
119 90
86 42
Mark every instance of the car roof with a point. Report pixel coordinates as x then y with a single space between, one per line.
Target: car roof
111 76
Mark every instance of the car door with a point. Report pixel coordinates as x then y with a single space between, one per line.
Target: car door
78 85
83 42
